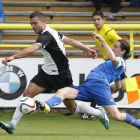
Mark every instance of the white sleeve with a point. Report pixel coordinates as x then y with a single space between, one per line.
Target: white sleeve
121 63
62 37
39 44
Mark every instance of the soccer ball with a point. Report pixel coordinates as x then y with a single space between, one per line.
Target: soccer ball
27 105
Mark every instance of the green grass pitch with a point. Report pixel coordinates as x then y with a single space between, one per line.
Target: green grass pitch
52 126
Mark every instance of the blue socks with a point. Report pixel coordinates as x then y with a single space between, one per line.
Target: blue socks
53 101
131 120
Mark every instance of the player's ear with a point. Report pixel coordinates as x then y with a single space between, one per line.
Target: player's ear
43 20
104 19
123 52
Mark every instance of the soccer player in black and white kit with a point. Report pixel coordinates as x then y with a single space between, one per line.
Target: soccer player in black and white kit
55 73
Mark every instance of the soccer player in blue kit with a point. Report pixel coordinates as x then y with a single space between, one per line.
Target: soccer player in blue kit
97 86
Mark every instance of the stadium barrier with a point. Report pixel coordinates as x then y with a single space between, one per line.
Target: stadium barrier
14 26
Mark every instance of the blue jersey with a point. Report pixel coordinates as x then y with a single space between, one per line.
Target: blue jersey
108 71
96 87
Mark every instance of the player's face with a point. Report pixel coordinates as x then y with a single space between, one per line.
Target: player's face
98 22
37 25
117 49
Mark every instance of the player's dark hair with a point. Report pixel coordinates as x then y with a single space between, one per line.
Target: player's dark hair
125 46
98 13
37 14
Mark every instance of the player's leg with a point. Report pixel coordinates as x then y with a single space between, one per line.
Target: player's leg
99 113
123 86
31 91
97 4
86 116
67 93
115 6
71 93
114 112
61 94
38 84
123 76
81 108
71 105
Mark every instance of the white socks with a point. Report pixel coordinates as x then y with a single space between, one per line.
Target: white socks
84 108
16 117
81 108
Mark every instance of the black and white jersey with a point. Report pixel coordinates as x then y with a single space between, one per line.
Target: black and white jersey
50 42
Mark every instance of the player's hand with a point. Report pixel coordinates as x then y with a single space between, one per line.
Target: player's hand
8 59
112 89
97 36
92 53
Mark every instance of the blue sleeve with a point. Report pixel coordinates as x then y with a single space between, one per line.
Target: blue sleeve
118 79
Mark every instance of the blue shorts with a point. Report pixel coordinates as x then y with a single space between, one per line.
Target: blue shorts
95 90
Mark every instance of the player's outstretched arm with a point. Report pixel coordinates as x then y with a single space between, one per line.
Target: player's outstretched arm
92 53
108 50
94 48
25 52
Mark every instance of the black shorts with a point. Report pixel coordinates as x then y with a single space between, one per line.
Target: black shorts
53 82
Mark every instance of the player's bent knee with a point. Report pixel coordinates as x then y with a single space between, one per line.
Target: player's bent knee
59 91
116 117
62 92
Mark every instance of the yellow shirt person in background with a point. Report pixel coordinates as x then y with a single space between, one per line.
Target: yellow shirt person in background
109 35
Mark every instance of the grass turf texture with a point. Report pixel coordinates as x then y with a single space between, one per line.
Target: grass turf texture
59 127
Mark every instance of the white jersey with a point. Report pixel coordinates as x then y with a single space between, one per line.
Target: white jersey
50 42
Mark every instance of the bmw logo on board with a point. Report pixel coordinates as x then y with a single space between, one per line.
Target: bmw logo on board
12 82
